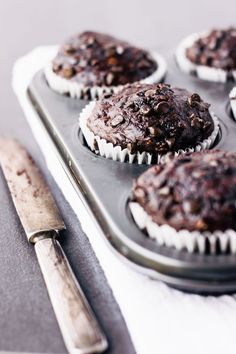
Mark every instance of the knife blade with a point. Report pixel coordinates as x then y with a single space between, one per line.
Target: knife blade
42 222
31 196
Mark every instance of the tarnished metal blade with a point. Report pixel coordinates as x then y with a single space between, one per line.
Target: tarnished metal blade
31 196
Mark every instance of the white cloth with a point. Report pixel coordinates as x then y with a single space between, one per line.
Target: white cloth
160 320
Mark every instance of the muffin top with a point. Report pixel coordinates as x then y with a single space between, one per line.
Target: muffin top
95 59
195 191
217 50
152 118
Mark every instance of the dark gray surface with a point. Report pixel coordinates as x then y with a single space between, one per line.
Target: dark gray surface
26 319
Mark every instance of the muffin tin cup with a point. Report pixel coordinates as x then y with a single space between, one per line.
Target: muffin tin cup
116 153
201 71
232 97
77 90
191 241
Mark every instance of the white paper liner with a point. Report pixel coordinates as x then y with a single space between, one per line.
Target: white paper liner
77 90
202 71
191 241
116 153
232 97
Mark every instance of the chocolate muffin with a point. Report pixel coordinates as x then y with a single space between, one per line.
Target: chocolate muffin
149 121
210 56
93 60
195 193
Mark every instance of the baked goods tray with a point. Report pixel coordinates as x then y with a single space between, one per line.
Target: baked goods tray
105 185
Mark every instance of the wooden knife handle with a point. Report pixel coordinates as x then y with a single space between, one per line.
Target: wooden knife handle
77 322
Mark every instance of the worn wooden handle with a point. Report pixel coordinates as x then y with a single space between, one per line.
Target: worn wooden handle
78 325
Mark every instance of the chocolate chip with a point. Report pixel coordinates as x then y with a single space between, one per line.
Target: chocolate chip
68 49
94 62
193 99
129 104
112 61
162 107
206 125
196 122
145 110
164 191
162 147
180 124
117 120
109 78
111 51
170 142
201 225
139 193
162 98
154 131
161 86
68 72
196 97
150 93
140 93
191 206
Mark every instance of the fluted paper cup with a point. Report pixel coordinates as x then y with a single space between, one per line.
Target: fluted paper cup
191 241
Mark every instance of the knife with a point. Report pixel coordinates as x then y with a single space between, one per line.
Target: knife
42 222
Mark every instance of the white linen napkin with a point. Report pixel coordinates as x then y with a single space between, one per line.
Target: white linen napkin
160 320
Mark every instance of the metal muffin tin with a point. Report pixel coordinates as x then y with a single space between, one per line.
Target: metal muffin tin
105 187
